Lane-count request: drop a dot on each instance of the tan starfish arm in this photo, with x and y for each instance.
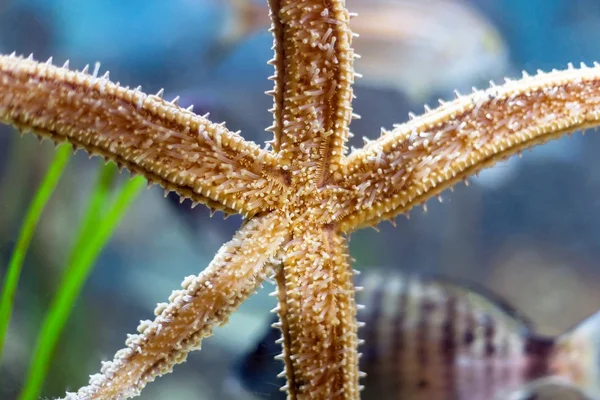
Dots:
(205, 301)
(318, 316)
(171, 146)
(430, 153)
(313, 77)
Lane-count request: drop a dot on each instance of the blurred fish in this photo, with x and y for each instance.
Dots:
(419, 47)
(432, 339)
(245, 17)
(425, 47)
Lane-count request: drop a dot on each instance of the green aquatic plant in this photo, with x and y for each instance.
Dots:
(98, 225)
(13, 272)
(103, 213)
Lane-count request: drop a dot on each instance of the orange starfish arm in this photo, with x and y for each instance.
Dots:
(318, 316)
(430, 153)
(313, 78)
(171, 146)
(206, 301)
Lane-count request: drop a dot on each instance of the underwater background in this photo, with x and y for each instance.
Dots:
(527, 229)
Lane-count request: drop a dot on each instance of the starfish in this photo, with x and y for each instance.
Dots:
(301, 200)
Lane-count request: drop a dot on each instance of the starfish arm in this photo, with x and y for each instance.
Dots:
(171, 146)
(313, 77)
(318, 316)
(205, 301)
(430, 153)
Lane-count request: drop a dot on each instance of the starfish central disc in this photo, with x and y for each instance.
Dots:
(310, 205)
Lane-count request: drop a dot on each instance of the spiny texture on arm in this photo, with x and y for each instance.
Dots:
(313, 78)
(169, 145)
(317, 313)
(205, 301)
(430, 153)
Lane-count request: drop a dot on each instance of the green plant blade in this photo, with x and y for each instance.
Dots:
(94, 232)
(97, 205)
(34, 212)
